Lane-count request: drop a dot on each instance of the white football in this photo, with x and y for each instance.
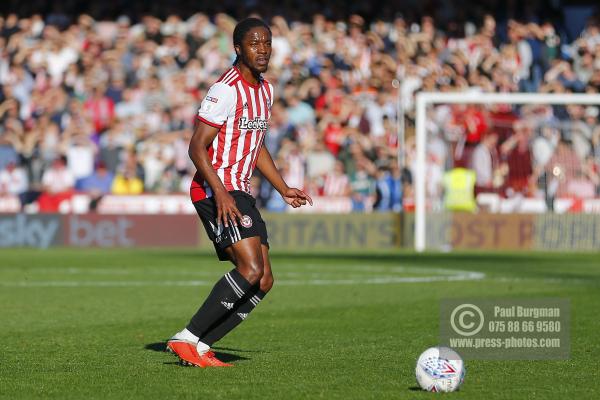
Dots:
(440, 369)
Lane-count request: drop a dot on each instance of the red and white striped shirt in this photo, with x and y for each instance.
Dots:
(241, 111)
(336, 184)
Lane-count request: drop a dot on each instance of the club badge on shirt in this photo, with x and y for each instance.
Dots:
(246, 221)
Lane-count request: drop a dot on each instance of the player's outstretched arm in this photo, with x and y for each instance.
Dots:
(203, 137)
(292, 196)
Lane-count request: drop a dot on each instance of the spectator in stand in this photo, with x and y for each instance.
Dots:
(562, 73)
(58, 183)
(581, 186)
(114, 141)
(336, 182)
(520, 49)
(13, 181)
(544, 145)
(333, 133)
(578, 131)
(97, 185)
(127, 183)
(562, 168)
(100, 108)
(280, 128)
(319, 161)
(8, 137)
(275, 202)
(485, 163)
(516, 154)
(592, 131)
(80, 152)
(299, 112)
(129, 106)
(362, 186)
(291, 155)
(168, 182)
(470, 121)
(389, 190)
(434, 175)
(595, 156)
(591, 170)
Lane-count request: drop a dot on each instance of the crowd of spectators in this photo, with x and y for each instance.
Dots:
(104, 107)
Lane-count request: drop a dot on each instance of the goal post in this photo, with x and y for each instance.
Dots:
(426, 99)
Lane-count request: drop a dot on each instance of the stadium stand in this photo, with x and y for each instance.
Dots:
(116, 99)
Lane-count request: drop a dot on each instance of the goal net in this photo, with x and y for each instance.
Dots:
(491, 154)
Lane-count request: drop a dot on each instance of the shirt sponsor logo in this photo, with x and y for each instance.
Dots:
(253, 124)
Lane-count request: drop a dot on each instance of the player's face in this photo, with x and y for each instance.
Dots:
(256, 49)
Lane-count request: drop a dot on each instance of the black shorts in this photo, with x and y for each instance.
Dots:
(251, 225)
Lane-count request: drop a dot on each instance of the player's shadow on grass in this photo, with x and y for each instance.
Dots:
(219, 353)
(415, 389)
(238, 350)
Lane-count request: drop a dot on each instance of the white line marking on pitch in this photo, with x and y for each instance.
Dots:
(462, 276)
(298, 270)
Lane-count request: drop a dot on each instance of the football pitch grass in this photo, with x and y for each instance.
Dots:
(81, 324)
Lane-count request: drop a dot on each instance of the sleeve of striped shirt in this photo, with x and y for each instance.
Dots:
(217, 105)
(272, 93)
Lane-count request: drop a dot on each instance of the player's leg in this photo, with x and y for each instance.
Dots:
(267, 280)
(242, 246)
(245, 306)
(232, 288)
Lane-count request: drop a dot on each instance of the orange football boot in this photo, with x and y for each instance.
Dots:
(170, 342)
(187, 353)
(209, 359)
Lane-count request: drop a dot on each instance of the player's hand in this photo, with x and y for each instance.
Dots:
(227, 210)
(296, 197)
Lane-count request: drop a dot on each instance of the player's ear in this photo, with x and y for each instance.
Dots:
(238, 50)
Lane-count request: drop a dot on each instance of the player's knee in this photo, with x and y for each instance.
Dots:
(252, 271)
(266, 283)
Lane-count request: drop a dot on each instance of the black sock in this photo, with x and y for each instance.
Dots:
(233, 319)
(222, 299)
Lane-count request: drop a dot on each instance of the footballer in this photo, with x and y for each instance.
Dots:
(226, 147)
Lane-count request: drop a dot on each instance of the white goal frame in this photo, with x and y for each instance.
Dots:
(425, 99)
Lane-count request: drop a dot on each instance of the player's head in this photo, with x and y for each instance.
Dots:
(252, 43)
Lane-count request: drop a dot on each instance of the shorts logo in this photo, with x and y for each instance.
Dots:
(217, 230)
(212, 99)
(246, 221)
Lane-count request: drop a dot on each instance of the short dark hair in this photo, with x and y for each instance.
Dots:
(243, 27)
